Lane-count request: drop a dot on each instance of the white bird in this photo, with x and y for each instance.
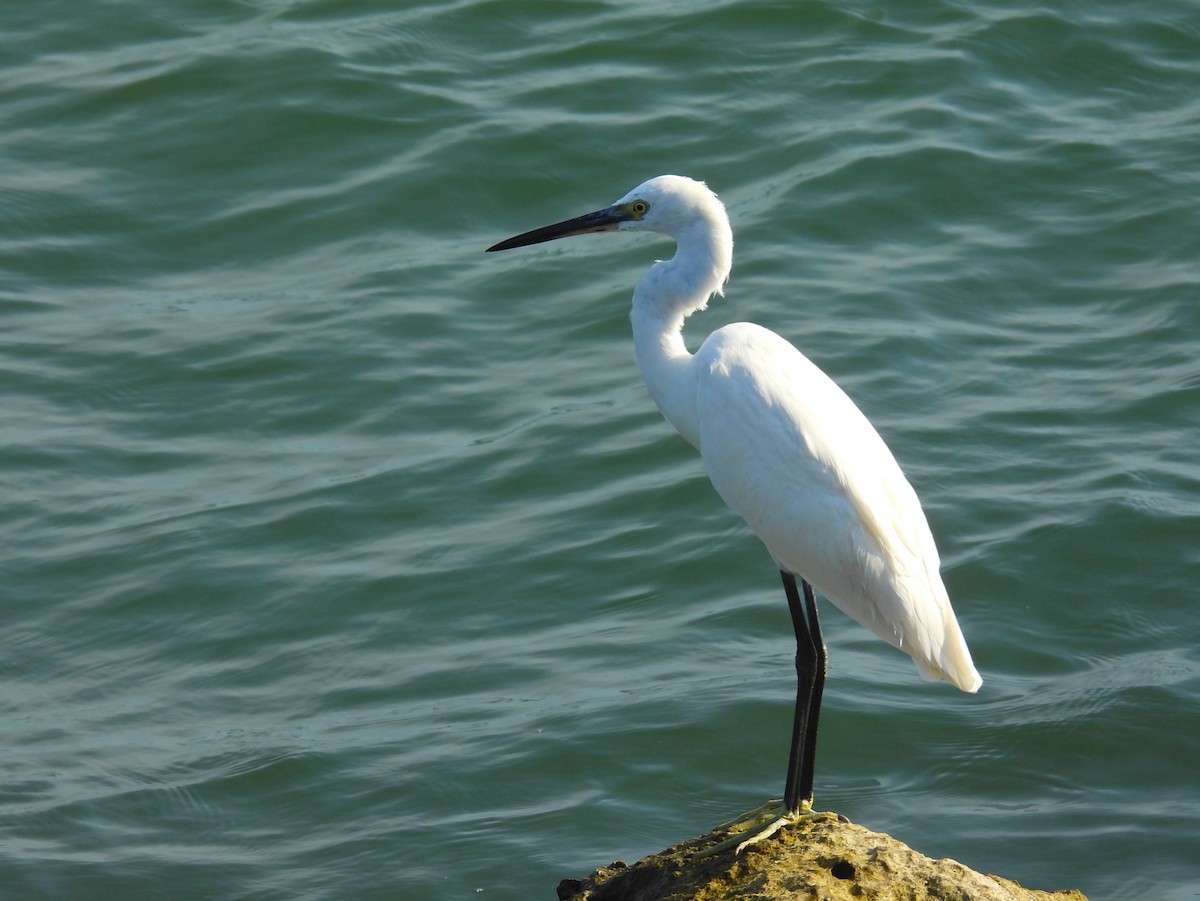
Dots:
(789, 452)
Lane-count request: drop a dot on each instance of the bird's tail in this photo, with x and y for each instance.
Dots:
(953, 663)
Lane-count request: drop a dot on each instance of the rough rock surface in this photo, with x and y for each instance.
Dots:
(826, 859)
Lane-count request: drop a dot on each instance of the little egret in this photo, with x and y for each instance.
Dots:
(792, 455)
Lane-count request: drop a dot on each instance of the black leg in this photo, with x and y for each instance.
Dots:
(814, 704)
(810, 683)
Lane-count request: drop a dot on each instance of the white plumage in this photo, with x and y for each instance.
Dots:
(830, 504)
(785, 447)
(789, 452)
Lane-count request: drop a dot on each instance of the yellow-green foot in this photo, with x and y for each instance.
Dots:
(759, 824)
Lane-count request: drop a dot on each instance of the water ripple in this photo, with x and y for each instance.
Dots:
(337, 549)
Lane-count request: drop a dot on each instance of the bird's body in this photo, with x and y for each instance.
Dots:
(785, 448)
(830, 504)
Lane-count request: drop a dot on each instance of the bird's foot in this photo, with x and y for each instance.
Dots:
(759, 824)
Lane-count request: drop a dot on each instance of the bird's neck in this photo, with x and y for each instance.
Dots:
(670, 292)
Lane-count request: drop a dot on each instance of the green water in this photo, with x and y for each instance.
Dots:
(342, 560)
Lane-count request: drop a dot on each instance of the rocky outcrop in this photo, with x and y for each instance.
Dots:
(827, 859)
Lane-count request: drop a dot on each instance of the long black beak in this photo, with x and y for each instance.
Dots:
(600, 221)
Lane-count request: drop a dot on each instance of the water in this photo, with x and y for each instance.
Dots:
(341, 560)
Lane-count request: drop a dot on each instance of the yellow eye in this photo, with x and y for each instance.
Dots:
(639, 208)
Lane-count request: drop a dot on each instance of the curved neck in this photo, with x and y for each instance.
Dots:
(666, 367)
(667, 294)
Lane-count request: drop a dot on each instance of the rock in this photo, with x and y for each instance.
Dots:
(825, 859)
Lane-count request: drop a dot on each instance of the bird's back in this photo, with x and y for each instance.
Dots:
(791, 453)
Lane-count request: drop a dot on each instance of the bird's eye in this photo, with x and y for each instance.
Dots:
(639, 208)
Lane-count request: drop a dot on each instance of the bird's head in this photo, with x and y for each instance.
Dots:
(668, 204)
